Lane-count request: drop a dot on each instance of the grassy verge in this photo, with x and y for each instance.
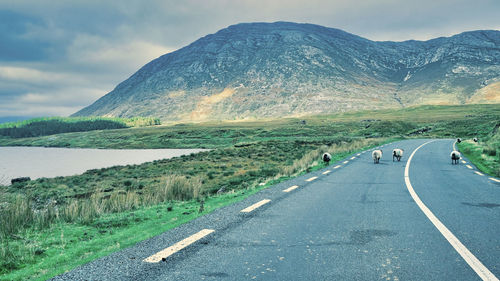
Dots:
(63, 246)
(485, 154)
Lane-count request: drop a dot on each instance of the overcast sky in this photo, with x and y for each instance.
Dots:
(58, 56)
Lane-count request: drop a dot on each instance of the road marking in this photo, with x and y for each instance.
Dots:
(311, 179)
(493, 179)
(336, 167)
(473, 262)
(326, 172)
(358, 154)
(468, 166)
(352, 158)
(478, 173)
(178, 246)
(290, 188)
(345, 162)
(255, 206)
(454, 147)
(463, 162)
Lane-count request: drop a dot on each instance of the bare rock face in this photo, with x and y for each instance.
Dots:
(259, 70)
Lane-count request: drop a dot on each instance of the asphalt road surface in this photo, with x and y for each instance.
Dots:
(352, 220)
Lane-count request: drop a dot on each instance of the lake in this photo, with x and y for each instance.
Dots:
(38, 162)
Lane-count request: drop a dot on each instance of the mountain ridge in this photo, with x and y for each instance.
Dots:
(259, 70)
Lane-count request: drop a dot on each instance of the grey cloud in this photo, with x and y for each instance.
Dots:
(75, 51)
(13, 45)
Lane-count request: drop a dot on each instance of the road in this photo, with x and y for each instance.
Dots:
(351, 220)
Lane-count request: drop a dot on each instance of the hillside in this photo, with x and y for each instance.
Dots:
(260, 70)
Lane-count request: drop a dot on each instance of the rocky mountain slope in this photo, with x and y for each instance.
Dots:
(259, 70)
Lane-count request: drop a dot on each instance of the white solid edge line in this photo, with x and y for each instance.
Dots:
(255, 206)
(336, 167)
(468, 166)
(311, 179)
(473, 262)
(478, 173)
(290, 188)
(326, 172)
(454, 147)
(178, 246)
(493, 179)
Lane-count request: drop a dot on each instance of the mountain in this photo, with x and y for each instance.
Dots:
(259, 70)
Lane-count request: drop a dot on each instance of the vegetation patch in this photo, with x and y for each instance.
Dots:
(484, 154)
(56, 125)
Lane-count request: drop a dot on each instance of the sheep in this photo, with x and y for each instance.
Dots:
(455, 156)
(459, 140)
(397, 153)
(326, 158)
(475, 139)
(376, 155)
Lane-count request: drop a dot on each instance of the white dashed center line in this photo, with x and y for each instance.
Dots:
(178, 246)
(345, 162)
(290, 188)
(493, 179)
(326, 172)
(358, 154)
(478, 173)
(463, 162)
(352, 158)
(311, 179)
(255, 206)
(336, 167)
(468, 166)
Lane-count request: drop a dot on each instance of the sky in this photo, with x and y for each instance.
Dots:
(58, 56)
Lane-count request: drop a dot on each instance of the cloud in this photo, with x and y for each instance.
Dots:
(58, 55)
(98, 52)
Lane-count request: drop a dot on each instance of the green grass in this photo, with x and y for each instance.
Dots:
(426, 121)
(42, 222)
(64, 246)
(485, 154)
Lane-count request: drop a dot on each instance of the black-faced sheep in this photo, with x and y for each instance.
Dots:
(397, 153)
(475, 139)
(455, 156)
(326, 158)
(459, 140)
(376, 155)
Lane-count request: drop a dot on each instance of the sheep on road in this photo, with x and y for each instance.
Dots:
(376, 155)
(455, 156)
(397, 153)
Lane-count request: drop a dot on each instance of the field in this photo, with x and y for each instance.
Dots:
(72, 220)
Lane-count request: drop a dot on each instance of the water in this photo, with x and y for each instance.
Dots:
(38, 162)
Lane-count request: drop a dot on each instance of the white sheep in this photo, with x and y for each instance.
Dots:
(376, 155)
(455, 156)
(397, 153)
(326, 157)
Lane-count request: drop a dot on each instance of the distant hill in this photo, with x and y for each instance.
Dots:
(259, 70)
